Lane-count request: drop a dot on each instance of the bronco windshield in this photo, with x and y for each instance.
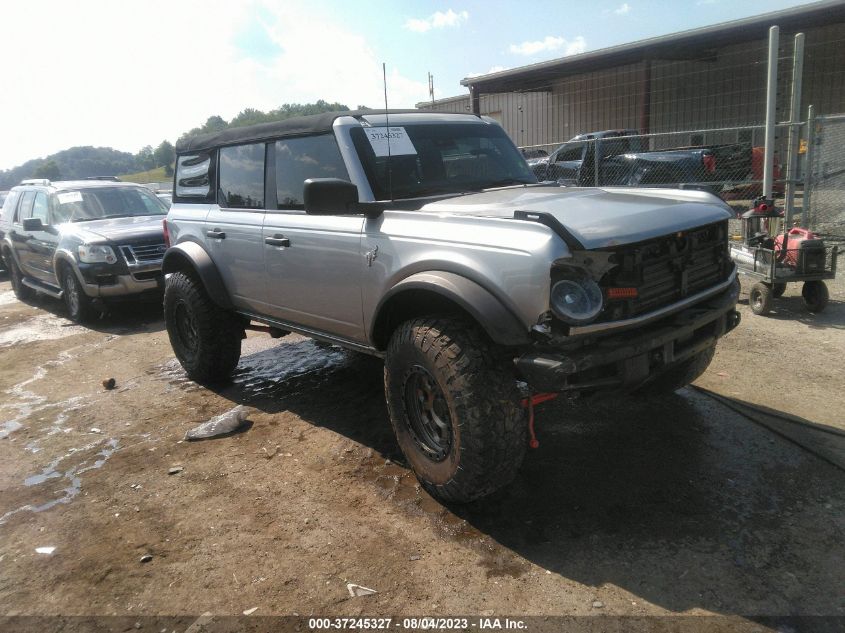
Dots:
(99, 203)
(427, 160)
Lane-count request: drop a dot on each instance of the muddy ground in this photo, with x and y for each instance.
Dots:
(676, 506)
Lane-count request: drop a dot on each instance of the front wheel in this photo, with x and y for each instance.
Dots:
(205, 338)
(79, 306)
(454, 407)
(760, 298)
(815, 295)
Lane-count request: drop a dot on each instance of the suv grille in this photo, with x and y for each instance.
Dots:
(143, 253)
(667, 269)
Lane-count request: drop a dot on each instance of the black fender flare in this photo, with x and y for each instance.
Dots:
(500, 324)
(193, 257)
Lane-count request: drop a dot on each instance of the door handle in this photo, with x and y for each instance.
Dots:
(277, 240)
(216, 234)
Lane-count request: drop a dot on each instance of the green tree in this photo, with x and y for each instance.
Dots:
(145, 158)
(164, 154)
(49, 170)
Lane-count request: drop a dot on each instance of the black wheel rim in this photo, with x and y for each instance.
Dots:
(186, 327)
(428, 414)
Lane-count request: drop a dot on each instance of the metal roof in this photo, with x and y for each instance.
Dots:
(682, 45)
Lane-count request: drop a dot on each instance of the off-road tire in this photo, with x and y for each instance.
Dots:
(79, 306)
(23, 293)
(477, 387)
(205, 338)
(778, 289)
(815, 295)
(679, 375)
(760, 298)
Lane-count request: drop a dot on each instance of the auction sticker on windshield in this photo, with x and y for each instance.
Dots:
(392, 141)
(70, 196)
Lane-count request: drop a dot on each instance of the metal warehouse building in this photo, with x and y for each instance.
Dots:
(701, 83)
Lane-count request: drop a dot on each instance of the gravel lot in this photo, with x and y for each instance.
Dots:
(629, 507)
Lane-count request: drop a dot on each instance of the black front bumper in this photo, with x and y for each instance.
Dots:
(626, 360)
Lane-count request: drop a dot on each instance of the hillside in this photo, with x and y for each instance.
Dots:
(76, 162)
(151, 175)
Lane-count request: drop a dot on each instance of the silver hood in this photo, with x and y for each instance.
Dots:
(597, 218)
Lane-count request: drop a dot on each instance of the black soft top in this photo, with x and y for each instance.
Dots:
(297, 126)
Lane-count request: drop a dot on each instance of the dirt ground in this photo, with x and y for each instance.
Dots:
(628, 507)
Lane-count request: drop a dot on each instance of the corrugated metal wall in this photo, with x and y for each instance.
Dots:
(724, 88)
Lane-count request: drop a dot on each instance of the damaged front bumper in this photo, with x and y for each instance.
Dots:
(623, 361)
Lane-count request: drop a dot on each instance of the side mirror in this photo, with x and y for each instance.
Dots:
(330, 196)
(33, 224)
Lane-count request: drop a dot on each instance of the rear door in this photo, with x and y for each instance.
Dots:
(313, 263)
(233, 226)
(42, 244)
(21, 240)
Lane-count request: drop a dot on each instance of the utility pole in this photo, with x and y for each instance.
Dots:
(431, 88)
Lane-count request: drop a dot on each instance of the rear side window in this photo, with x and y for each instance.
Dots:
(25, 206)
(9, 206)
(195, 177)
(298, 159)
(242, 177)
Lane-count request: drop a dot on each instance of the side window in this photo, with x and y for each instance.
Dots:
(195, 177)
(10, 206)
(25, 207)
(40, 208)
(242, 177)
(573, 152)
(298, 159)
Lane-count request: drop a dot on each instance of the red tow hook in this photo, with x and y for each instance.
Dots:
(529, 403)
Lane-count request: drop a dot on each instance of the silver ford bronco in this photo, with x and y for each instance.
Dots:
(425, 239)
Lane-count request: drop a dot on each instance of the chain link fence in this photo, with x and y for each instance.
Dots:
(824, 196)
(725, 161)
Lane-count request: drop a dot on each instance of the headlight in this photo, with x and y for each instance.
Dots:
(96, 253)
(576, 301)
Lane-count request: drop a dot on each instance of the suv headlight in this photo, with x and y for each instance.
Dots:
(96, 253)
(576, 301)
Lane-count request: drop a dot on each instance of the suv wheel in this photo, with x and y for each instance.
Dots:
(22, 292)
(79, 305)
(205, 338)
(454, 407)
(679, 375)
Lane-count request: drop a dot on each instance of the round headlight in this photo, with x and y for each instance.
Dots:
(576, 301)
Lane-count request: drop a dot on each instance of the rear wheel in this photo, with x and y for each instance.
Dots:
(79, 306)
(679, 375)
(22, 292)
(760, 298)
(815, 295)
(205, 338)
(454, 407)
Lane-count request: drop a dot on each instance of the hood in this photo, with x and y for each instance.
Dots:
(119, 230)
(598, 218)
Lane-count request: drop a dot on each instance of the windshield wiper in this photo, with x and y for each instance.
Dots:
(504, 182)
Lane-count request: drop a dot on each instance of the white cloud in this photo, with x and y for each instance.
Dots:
(623, 10)
(493, 69)
(551, 44)
(437, 20)
(116, 74)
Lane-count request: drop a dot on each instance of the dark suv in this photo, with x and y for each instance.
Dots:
(83, 241)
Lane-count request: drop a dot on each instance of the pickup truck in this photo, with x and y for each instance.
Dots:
(626, 161)
(425, 240)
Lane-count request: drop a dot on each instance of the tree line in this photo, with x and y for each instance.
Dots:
(88, 161)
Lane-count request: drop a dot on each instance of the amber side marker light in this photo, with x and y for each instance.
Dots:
(621, 293)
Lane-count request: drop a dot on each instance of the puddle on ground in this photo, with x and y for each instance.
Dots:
(71, 475)
(44, 327)
(269, 367)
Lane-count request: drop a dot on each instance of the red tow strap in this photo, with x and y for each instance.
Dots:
(529, 403)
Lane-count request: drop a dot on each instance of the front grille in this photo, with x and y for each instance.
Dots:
(143, 253)
(668, 269)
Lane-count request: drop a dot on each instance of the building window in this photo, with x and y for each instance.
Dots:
(242, 177)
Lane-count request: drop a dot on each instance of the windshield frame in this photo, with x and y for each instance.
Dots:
(431, 140)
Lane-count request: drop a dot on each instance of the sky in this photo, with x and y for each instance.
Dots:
(126, 74)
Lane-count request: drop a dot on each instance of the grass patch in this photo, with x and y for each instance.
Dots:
(151, 175)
